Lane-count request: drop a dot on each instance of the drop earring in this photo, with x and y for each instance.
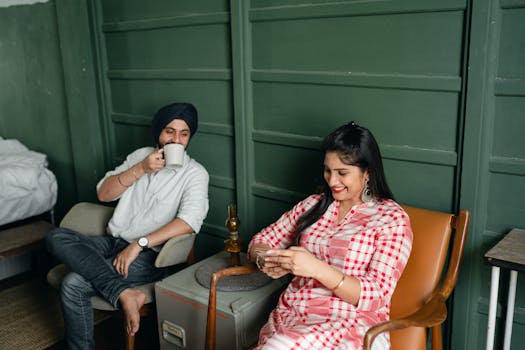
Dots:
(366, 196)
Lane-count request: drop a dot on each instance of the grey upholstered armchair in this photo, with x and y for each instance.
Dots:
(91, 219)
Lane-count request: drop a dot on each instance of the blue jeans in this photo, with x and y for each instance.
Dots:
(90, 260)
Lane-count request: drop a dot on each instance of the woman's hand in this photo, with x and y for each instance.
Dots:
(257, 254)
(295, 260)
(153, 162)
(273, 270)
(124, 259)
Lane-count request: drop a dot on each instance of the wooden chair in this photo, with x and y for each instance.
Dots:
(419, 300)
(92, 219)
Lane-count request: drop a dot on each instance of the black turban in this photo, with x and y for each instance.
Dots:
(165, 115)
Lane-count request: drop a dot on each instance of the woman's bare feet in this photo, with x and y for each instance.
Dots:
(132, 300)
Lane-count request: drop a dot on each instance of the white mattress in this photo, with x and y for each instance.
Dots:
(27, 186)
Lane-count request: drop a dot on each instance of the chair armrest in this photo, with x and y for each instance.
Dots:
(175, 250)
(212, 300)
(88, 218)
(432, 313)
(233, 271)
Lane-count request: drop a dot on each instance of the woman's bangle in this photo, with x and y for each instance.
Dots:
(340, 283)
(120, 182)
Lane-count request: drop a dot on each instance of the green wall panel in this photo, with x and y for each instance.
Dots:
(509, 126)
(215, 152)
(125, 10)
(505, 209)
(416, 43)
(315, 110)
(493, 179)
(207, 245)
(512, 44)
(166, 52)
(422, 185)
(182, 47)
(289, 168)
(144, 97)
(129, 137)
(81, 81)
(505, 196)
(268, 210)
(396, 67)
(220, 198)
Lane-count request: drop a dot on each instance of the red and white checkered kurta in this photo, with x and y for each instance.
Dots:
(372, 243)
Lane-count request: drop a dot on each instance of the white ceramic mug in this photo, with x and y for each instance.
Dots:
(174, 154)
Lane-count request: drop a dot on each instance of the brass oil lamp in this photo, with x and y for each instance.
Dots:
(233, 244)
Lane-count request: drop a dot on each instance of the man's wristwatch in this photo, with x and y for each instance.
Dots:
(143, 242)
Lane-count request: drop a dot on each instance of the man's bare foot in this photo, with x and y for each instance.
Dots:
(131, 301)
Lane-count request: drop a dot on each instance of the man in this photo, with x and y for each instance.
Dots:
(155, 204)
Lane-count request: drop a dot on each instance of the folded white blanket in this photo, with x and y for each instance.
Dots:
(27, 187)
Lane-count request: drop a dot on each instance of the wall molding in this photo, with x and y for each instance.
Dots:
(357, 8)
(490, 235)
(286, 139)
(215, 230)
(216, 129)
(361, 79)
(509, 87)
(419, 155)
(131, 119)
(277, 193)
(167, 22)
(222, 182)
(145, 120)
(512, 4)
(170, 74)
(395, 152)
(519, 312)
(507, 165)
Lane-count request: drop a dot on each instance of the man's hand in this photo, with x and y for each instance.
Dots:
(124, 259)
(153, 162)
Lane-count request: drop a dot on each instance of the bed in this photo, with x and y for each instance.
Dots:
(27, 187)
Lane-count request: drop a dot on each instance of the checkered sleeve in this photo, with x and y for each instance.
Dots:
(281, 233)
(392, 249)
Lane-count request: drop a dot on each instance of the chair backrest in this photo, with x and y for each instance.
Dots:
(423, 273)
(92, 219)
(89, 218)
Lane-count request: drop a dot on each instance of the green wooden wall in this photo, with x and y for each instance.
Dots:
(32, 99)
(172, 51)
(440, 83)
(493, 178)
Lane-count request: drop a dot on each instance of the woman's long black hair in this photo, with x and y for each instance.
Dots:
(355, 145)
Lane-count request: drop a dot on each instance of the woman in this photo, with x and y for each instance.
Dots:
(346, 248)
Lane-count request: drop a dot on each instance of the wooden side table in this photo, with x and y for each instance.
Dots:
(509, 253)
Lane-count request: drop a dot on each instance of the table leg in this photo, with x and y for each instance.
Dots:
(493, 306)
(510, 309)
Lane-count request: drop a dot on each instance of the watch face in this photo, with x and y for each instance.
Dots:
(143, 242)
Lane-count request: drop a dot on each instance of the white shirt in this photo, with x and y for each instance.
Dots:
(158, 198)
